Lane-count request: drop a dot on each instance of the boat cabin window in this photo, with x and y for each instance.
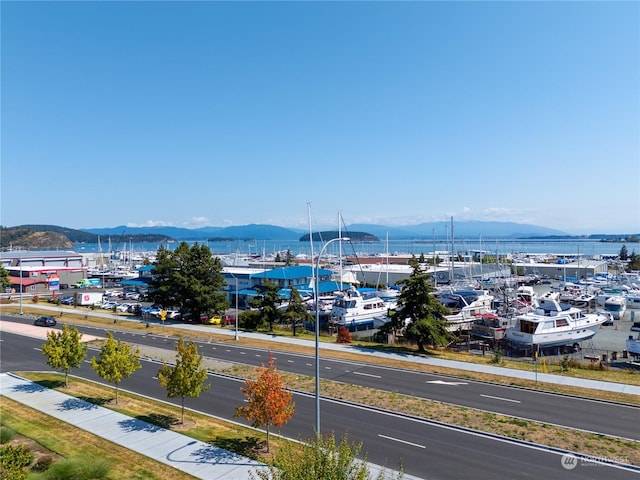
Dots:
(546, 326)
(562, 322)
(527, 327)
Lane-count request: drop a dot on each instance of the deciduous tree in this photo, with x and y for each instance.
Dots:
(118, 360)
(5, 281)
(64, 350)
(269, 403)
(187, 378)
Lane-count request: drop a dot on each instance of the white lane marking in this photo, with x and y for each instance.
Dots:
(367, 375)
(289, 361)
(327, 368)
(309, 364)
(500, 398)
(402, 441)
(243, 353)
(442, 382)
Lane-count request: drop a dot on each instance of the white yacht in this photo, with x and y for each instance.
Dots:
(616, 305)
(465, 306)
(554, 324)
(353, 308)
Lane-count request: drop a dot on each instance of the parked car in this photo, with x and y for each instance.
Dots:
(67, 300)
(135, 308)
(45, 322)
(214, 320)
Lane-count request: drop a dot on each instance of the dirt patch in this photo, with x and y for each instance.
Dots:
(41, 455)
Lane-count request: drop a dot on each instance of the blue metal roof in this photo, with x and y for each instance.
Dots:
(323, 287)
(288, 273)
(135, 283)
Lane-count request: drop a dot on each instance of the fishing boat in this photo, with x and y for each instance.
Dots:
(553, 324)
(490, 326)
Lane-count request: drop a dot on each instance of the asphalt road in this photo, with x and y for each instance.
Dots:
(425, 449)
(573, 412)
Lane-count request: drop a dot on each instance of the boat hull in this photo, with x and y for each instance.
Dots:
(549, 339)
(633, 346)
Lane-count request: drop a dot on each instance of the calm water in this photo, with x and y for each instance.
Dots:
(501, 246)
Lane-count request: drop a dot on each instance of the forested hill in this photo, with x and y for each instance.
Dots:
(49, 237)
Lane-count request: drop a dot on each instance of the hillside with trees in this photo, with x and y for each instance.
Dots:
(52, 237)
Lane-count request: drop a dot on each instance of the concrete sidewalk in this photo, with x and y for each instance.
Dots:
(199, 459)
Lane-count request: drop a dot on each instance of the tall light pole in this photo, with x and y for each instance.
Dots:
(315, 291)
(236, 320)
(20, 260)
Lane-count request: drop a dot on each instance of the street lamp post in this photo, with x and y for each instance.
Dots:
(20, 260)
(236, 315)
(236, 320)
(317, 282)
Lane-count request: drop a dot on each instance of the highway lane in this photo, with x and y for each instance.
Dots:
(574, 412)
(425, 450)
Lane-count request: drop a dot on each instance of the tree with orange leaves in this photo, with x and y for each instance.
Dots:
(269, 402)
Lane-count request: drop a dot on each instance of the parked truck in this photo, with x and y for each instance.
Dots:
(88, 283)
(88, 298)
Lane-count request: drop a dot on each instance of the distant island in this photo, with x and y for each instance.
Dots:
(47, 237)
(359, 237)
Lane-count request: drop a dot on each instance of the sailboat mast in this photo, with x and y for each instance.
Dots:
(340, 246)
(311, 245)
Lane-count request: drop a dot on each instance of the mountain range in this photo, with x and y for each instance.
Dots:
(469, 229)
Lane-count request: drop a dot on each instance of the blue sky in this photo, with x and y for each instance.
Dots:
(394, 113)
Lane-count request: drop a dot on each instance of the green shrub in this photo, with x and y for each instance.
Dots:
(13, 460)
(6, 434)
(497, 355)
(80, 468)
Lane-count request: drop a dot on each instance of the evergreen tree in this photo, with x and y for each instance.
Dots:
(190, 278)
(296, 310)
(268, 401)
(624, 255)
(118, 360)
(634, 262)
(187, 378)
(64, 350)
(419, 312)
(267, 303)
(289, 258)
